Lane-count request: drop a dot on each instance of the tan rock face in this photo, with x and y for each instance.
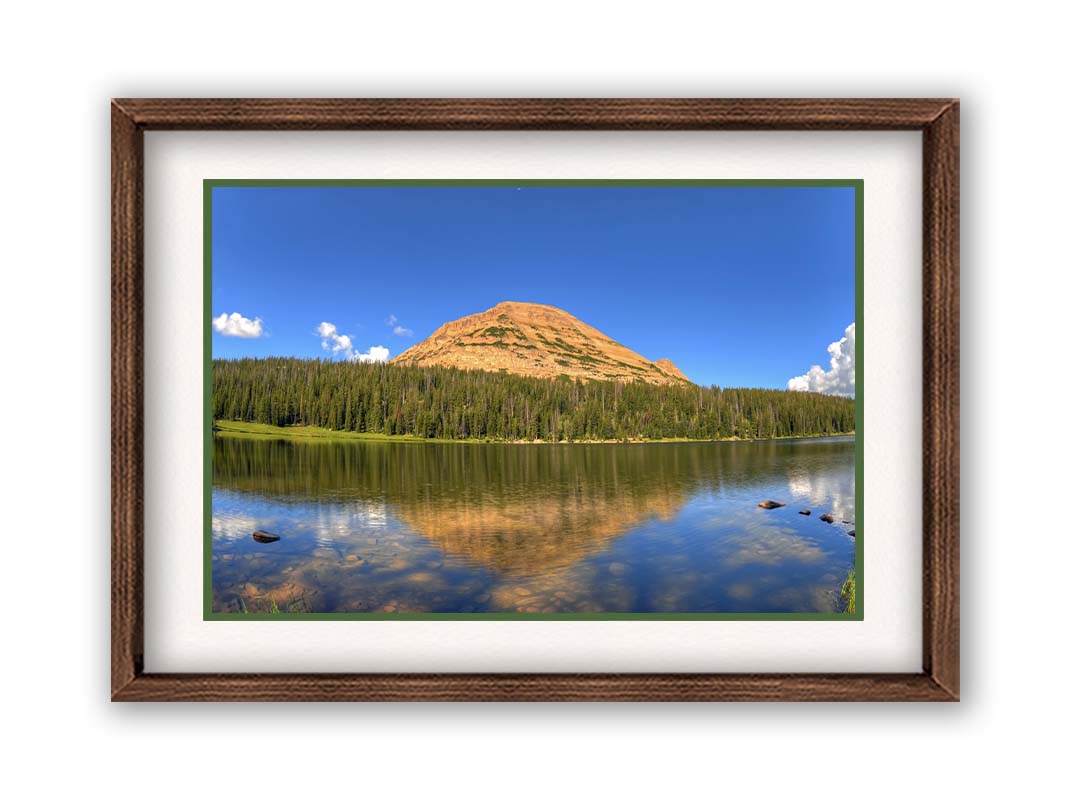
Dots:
(666, 365)
(539, 341)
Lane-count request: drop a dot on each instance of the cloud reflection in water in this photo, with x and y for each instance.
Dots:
(538, 529)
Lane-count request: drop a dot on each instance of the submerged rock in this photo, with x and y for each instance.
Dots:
(771, 504)
(826, 518)
(852, 534)
(806, 512)
(265, 537)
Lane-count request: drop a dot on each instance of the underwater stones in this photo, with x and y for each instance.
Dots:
(265, 537)
(771, 504)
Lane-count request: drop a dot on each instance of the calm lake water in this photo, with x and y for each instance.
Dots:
(461, 528)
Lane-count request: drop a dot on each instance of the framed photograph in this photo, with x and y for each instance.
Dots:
(535, 399)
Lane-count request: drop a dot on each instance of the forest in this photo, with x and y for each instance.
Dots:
(449, 403)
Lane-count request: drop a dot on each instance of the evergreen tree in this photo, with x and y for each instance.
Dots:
(448, 403)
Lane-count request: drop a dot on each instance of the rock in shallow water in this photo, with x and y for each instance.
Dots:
(265, 537)
(826, 518)
(852, 534)
(806, 512)
(771, 504)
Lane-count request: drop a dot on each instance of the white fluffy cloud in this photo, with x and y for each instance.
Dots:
(332, 340)
(236, 325)
(376, 354)
(398, 330)
(841, 377)
(341, 344)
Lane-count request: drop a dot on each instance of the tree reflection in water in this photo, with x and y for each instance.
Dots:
(402, 526)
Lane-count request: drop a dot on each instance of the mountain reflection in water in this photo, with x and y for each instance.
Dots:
(372, 526)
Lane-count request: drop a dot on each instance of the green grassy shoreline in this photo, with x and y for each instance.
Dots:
(848, 593)
(259, 430)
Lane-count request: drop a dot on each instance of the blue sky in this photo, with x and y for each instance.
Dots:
(738, 286)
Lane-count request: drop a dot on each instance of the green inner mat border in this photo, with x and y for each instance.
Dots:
(211, 616)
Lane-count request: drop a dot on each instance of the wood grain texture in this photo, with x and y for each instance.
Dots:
(542, 687)
(941, 400)
(127, 399)
(532, 114)
(938, 119)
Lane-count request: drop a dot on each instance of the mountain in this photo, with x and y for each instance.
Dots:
(666, 365)
(536, 340)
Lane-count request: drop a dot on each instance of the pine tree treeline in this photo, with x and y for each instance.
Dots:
(449, 403)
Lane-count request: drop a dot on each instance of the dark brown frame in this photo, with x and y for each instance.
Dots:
(938, 119)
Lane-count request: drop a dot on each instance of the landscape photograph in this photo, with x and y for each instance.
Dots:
(533, 400)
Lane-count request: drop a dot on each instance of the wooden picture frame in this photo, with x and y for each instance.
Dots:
(938, 119)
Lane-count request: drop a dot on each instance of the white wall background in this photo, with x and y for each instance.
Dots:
(61, 63)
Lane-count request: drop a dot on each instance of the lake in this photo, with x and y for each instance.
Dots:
(394, 527)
